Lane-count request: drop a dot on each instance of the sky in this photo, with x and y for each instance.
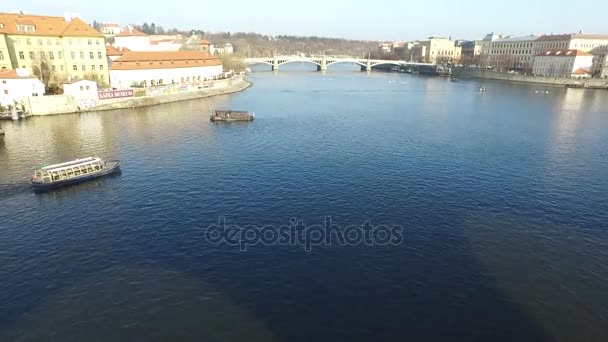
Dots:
(383, 20)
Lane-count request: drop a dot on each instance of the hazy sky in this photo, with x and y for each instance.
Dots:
(356, 19)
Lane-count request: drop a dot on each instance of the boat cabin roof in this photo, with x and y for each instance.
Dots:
(73, 163)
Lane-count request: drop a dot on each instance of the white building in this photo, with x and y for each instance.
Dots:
(227, 49)
(152, 68)
(563, 63)
(132, 39)
(110, 29)
(80, 89)
(15, 85)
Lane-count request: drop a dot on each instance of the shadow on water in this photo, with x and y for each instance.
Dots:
(12, 189)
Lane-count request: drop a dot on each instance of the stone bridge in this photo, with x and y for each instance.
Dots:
(323, 62)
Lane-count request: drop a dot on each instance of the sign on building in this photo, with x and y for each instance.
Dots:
(115, 94)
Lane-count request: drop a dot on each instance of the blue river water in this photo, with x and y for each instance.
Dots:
(501, 197)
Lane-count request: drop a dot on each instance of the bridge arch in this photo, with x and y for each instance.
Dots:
(352, 61)
(254, 62)
(282, 62)
(397, 63)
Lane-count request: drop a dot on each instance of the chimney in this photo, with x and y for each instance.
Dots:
(67, 16)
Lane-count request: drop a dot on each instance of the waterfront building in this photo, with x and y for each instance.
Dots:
(110, 29)
(511, 53)
(599, 67)
(53, 48)
(80, 89)
(227, 49)
(563, 63)
(436, 50)
(152, 68)
(16, 85)
(471, 52)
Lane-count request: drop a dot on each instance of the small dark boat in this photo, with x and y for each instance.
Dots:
(72, 172)
(231, 115)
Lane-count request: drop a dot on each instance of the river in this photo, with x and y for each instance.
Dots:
(500, 197)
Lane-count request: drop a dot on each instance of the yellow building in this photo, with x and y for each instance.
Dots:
(436, 50)
(53, 48)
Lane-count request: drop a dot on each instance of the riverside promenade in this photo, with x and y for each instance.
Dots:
(64, 104)
(593, 83)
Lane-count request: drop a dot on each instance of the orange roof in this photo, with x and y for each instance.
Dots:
(204, 42)
(581, 71)
(46, 26)
(566, 53)
(113, 51)
(134, 60)
(7, 74)
(131, 32)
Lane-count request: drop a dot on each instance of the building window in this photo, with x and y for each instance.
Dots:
(21, 55)
(31, 54)
(90, 42)
(53, 68)
(100, 66)
(42, 55)
(1, 56)
(73, 55)
(81, 55)
(91, 55)
(48, 42)
(5, 91)
(51, 55)
(40, 42)
(92, 67)
(81, 88)
(88, 87)
(97, 42)
(84, 67)
(98, 54)
(57, 42)
(28, 41)
(70, 41)
(61, 67)
(74, 67)
(26, 28)
(60, 54)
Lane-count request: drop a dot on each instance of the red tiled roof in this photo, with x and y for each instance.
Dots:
(131, 32)
(10, 74)
(113, 51)
(134, 60)
(564, 53)
(581, 71)
(46, 26)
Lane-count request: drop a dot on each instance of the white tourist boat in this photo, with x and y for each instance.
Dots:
(72, 172)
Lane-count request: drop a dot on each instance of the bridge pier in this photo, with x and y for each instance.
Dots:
(323, 66)
(275, 64)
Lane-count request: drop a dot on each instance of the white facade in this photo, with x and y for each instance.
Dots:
(81, 89)
(110, 29)
(133, 43)
(562, 63)
(124, 79)
(164, 45)
(14, 87)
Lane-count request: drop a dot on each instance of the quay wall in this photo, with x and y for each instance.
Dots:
(63, 104)
(494, 75)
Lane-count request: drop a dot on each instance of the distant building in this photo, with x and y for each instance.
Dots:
(110, 29)
(471, 52)
(385, 48)
(227, 49)
(15, 85)
(80, 89)
(600, 63)
(205, 46)
(132, 39)
(152, 68)
(563, 63)
(520, 52)
(436, 50)
(58, 46)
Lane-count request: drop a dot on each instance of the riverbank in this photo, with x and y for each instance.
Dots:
(501, 76)
(64, 104)
(234, 85)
